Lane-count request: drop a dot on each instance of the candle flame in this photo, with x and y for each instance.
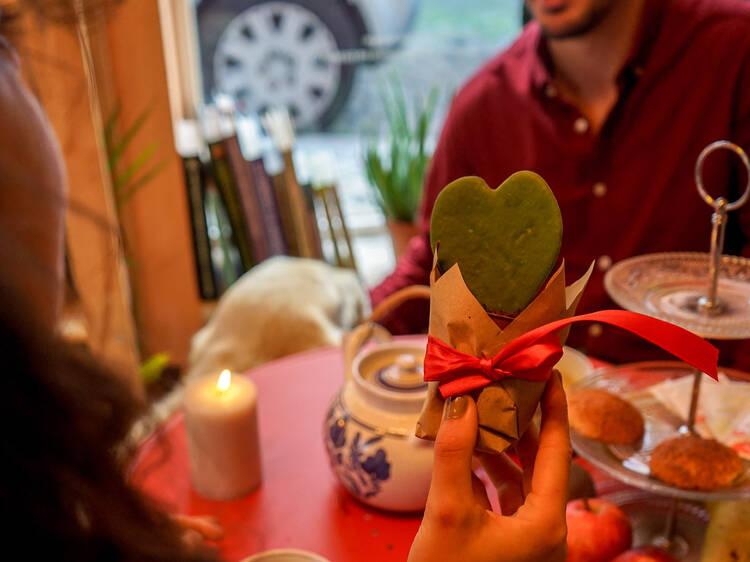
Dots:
(225, 378)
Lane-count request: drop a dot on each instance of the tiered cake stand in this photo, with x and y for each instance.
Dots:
(708, 294)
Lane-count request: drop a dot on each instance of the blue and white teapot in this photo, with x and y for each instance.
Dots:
(369, 427)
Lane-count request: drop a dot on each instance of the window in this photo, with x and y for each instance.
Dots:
(328, 62)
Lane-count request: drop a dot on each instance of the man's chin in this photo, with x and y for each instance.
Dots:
(567, 30)
(559, 20)
(553, 6)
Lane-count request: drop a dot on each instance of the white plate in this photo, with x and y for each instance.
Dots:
(285, 555)
(630, 464)
(574, 367)
(668, 286)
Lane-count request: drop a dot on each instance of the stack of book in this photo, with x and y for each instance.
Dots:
(241, 215)
(326, 199)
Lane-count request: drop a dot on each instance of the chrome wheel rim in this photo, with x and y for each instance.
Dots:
(279, 54)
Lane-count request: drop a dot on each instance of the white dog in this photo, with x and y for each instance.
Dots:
(282, 306)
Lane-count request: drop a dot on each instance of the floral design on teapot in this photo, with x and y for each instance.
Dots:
(361, 468)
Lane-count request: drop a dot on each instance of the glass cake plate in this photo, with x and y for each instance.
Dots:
(630, 464)
(669, 286)
(647, 514)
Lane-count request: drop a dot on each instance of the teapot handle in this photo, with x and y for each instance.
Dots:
(399, 297)
(354, 340)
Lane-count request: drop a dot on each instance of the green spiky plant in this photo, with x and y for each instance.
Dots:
(127, 178)
(152, 368)
(397, 175)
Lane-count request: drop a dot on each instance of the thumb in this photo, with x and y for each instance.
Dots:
(451, 472)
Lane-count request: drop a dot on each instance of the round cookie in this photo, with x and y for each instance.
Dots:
(694, 463)
(602, 416)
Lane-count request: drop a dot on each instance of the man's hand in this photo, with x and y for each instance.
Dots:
(459, 524)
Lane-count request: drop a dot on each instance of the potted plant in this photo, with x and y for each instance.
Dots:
(396, 169)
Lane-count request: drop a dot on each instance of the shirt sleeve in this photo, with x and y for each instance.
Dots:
(741, 136)
(413, 268)
(738, 352)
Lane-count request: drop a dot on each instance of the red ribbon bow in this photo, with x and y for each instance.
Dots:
(532, 355)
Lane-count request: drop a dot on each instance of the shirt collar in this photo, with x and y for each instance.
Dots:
(540, 66)
(540, 70)
(646, 37)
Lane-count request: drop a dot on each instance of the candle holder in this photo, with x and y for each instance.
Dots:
(708, 294)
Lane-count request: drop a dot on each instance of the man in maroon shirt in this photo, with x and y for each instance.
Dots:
(611, 101)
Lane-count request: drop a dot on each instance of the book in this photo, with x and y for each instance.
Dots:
(285, 212)
(313, 232)
(247, 195)
(194, 180)
(278, 123)
(248, 134)
(189, 145)
(225, 257)
(269, 207)
(214, 129)
(327, 197)
(297, 208)
(227, 190)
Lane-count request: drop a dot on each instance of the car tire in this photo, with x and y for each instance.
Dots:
(332, 20)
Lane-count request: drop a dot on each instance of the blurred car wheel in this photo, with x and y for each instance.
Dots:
(270, 53)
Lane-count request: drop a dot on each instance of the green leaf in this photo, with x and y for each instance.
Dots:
(109, 131)
(135, 166)
(118, 149)
(378, 177)
(132, 188)
(400, 102)
(397, 179)
(152, 368)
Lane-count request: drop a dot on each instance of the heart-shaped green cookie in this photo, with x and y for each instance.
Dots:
(505, 240)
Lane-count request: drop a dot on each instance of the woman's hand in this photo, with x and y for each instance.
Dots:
(196, 529)
(459, 524)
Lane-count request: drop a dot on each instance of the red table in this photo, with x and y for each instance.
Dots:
(299, 503)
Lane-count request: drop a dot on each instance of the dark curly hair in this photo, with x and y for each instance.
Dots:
(64, 420)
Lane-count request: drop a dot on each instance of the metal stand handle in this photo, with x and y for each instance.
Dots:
(711, 304)
(697, 377)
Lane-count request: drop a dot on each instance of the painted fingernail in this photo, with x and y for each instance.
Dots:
(456, 407)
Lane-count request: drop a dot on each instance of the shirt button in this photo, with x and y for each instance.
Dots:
(595, 330)
(581, 125)
(550, 91)
(604, 263)
(600, 189)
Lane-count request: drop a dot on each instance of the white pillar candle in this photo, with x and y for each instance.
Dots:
(222, 433)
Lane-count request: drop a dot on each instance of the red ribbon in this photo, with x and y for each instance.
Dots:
(532, 355)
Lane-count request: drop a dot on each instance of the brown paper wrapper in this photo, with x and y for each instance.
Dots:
(504, 408)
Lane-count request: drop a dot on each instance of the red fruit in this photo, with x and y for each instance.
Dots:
(597, 530)
(645, 554)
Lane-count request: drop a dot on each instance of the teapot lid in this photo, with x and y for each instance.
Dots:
(405, 374)
(393, 369)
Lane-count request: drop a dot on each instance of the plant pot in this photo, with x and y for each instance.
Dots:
(401, 233)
